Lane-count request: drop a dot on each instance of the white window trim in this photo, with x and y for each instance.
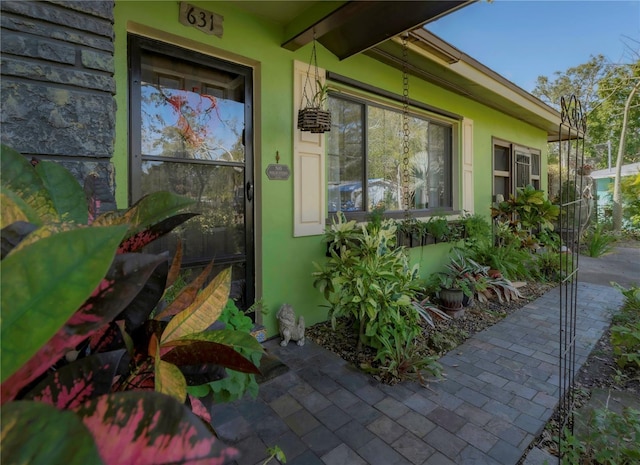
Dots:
(511, 174)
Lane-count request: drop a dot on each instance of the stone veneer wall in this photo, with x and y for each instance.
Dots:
(57, 86)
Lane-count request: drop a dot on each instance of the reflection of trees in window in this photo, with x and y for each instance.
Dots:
(188, 125)
(218, 190)
(429, 167)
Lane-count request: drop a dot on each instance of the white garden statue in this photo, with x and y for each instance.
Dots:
(289, 329)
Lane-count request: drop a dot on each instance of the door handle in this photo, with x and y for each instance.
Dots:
(249, 191)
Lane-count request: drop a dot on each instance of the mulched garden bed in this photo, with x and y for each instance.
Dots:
(447, 334)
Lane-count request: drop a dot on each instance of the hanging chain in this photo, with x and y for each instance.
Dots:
(308, 100)
(405, 128)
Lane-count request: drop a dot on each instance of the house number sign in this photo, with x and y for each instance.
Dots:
(204, 20)
(278, 172)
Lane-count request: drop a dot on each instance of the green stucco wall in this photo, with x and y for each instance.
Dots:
(285, 262)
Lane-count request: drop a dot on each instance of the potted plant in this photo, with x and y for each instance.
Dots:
(453, 286)
(313, 117)
(452, 291)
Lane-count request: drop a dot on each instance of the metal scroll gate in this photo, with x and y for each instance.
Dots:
(571, 157)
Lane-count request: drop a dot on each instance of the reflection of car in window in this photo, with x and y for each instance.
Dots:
(348, 196)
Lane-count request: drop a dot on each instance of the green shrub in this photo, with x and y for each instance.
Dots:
(625, 330)
(611, 438)
(402, 360)
(235, 384)
(631, 305)
(528, 214)
(630, 188)
(368, 280)
(626, 345)
(514, 262)
(552, 266)
(598, 241)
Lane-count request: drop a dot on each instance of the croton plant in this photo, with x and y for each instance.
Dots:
(93, 369)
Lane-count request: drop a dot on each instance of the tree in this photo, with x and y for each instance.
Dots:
(581, 81)
(617, 188)
(610, 99)
(606, 119)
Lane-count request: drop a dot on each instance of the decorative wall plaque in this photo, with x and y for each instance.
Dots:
(278, 172)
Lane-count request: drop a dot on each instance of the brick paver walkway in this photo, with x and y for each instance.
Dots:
(500, 389)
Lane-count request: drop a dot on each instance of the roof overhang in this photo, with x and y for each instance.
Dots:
(436, 61)
(356, 26)
(347, 28)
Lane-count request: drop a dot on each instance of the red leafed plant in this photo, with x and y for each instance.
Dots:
(88, 374)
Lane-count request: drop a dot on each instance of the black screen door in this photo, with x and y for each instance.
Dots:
(190, 133)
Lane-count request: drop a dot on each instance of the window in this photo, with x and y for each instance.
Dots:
(366, 161)
(514, 167)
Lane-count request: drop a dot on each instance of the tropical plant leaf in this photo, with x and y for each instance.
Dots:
(186, 295)
(198, 408)
(17, 174)
(72, 385)
(13, 234)
(176, 264)
(109, 218)
(203, 312)
(142, 379)
(127, 275)
(39, 434)
(150, 428)
(155, 208)
(139, 239)
(197, 375)
(206, 352)
(15, 209)
(43, 284)
(139, 309)
(168, 378)
(46, 230)
(229, 337)
(143, 335)
(107, 338)
(64, 190)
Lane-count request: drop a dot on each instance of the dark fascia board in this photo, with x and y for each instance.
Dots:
(438, 71)
(357, 26)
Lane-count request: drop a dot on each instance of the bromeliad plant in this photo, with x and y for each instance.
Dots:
(474, 279)
(87, 375)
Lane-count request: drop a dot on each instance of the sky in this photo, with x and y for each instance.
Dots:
(524, 39)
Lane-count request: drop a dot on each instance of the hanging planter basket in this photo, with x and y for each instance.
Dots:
(314, 120)
(312, 116)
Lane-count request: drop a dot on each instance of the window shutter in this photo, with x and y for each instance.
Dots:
(308, 163)
(467, 166)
